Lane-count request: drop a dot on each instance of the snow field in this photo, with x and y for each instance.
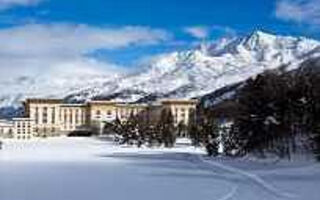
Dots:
(89, 168)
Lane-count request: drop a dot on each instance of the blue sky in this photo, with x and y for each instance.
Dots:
(243, 16)
(102, 29)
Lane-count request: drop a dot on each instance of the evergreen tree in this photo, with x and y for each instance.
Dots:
(205, 128)
(182, 129)
(166, 128)
(193, 129)
(262, 124)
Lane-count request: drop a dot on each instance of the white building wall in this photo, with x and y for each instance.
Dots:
(46, 118)
(73, 117)
(23, 128)
(6, 129)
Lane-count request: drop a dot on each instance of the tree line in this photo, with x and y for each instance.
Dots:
(141, 129)
(275, 112)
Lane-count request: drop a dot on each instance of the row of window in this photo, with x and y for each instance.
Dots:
(122, 112)
(79, 116)
(23, 132)
(23, 125)
(3, 130)
(69, 127)
(24, 137)
(74, 119)
(183, 110)
(45, 130)
(44, 115)
(98, 112)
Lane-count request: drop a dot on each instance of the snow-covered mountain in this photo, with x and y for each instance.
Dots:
(185, 74)
(197, 72)
(14, 91)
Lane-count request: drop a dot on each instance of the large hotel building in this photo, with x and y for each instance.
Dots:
(53, 117)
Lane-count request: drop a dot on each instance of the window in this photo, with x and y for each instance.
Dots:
(70, 118)
(77, 117)
(98, 114)
(83, 118)
(60, 115)
(45, 115)
(109, 112)
(64, 116)
(37, 115)
(53, 115)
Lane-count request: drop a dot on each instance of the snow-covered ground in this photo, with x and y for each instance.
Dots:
(92, 169)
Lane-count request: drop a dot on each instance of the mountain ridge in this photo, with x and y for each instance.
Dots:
(187, 74)
(198, 67)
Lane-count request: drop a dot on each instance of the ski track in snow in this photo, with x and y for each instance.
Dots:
(222, 181)
(231, 194)
(253, 177)
(195, 160)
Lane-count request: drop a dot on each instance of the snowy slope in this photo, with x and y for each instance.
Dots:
(185, 74)
(16, 90)
(205, 69)
(87, 168)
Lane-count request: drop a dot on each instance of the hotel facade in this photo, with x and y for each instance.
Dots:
(53, 117)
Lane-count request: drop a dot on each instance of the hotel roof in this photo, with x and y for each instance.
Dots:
(44, 101)
(179, 101)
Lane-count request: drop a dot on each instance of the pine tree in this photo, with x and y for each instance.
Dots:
(193, 129)
(182, 129)
(166, 128)
(262, 124)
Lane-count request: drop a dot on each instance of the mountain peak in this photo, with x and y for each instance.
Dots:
(258, 38)
(261, 33)
(180, 74)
